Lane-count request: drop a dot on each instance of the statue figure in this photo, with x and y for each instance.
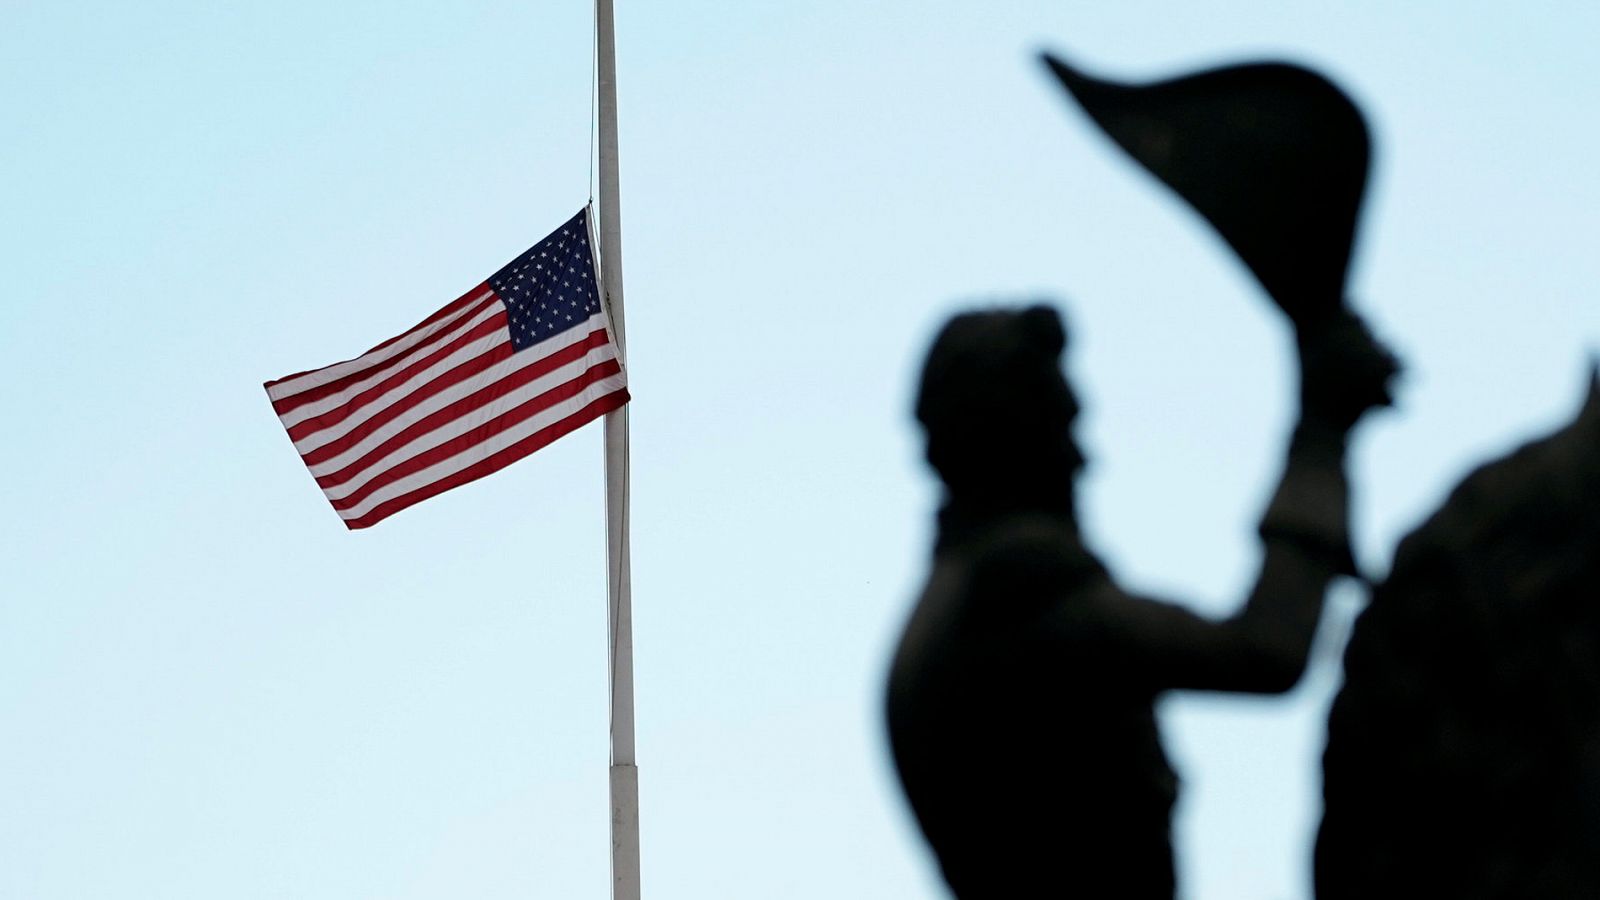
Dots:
(1020, 699)
(1463, 755)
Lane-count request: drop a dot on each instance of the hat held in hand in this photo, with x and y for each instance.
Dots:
(1274, 156)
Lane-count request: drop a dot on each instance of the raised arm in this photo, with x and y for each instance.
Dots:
(1264, 647)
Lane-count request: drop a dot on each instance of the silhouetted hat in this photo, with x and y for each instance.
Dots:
(1274, 156)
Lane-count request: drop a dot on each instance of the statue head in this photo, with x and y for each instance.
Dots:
(997, 410)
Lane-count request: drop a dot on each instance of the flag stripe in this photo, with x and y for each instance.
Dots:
(494, 462)
(286, 387)
(323, 398)
(445, 461)
(325, 445)
(436, 425)
(458, 367)
(470, 298)
(461, 435)
(389, 385)
(462, 382)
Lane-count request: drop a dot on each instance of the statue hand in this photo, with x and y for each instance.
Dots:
(1344, 370)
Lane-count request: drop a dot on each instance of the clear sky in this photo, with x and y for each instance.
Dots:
(209, 689)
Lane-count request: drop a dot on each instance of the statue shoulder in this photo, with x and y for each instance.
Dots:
(1033, 555)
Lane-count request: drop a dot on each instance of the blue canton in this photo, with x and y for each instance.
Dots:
(551, 287)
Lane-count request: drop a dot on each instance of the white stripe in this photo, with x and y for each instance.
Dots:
(464, 354)
(334, 401)
(456, 427)
(338, 370)
(399, 392)
(466, 388)
(487, 448)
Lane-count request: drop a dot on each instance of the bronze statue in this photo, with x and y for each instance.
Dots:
(1020, 697)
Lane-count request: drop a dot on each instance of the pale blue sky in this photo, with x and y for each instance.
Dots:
(209, 689)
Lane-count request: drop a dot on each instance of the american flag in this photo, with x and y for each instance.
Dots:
(504, 369)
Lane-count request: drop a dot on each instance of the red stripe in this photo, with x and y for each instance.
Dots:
(379, 367)
(460, 373)
(494, 462)
(465, 441)
(455, 376)
(449, 308)
(359, 402)
(446, 415)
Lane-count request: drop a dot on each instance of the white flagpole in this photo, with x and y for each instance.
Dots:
(624, 773)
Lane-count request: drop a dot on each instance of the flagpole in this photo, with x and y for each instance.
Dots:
(624, 772)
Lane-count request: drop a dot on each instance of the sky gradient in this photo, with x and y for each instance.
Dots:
(209, 689)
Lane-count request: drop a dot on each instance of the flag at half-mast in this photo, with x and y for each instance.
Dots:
(518, 361)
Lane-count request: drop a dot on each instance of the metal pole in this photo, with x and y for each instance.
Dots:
(624, 774)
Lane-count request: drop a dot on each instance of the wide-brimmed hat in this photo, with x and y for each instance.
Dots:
(1273, 155)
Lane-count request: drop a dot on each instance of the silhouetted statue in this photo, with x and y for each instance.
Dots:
(1020, 697)
(1463, 756)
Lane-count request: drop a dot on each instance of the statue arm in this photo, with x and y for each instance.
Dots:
(1263, 648)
